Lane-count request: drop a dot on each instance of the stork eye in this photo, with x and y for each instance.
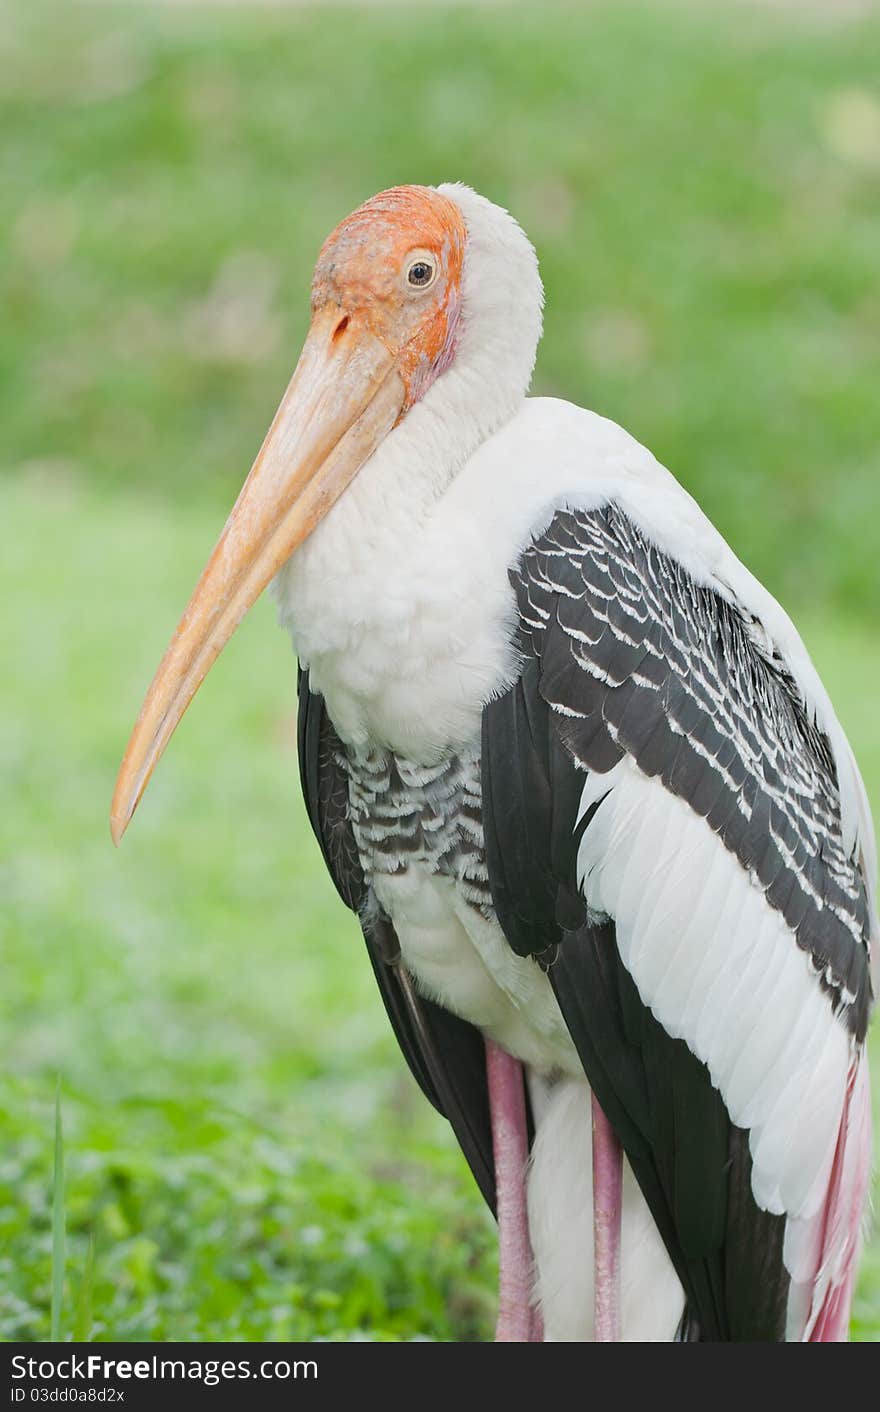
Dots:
(421, 273)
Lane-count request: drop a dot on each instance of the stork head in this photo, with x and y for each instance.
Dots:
(397, 288)
(388, 280)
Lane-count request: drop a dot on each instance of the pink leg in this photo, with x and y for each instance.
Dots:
(507, 1107)
(607, 1202)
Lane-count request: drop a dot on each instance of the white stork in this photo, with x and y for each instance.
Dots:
(574, 770)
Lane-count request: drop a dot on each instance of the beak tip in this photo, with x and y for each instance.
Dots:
(120, 818)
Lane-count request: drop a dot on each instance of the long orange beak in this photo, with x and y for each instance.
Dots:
(342, 400)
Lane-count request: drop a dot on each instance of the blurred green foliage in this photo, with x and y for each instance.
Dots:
(243, 1144)
(243, 1141)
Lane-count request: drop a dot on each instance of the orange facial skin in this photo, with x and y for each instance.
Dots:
(362, 269)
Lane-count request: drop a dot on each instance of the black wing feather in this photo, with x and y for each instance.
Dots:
(637, 658)
(623, 653)
(445, 1054)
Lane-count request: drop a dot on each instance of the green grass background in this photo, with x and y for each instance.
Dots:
(244, 1150)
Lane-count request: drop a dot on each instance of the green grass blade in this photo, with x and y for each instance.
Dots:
(58, 1233)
